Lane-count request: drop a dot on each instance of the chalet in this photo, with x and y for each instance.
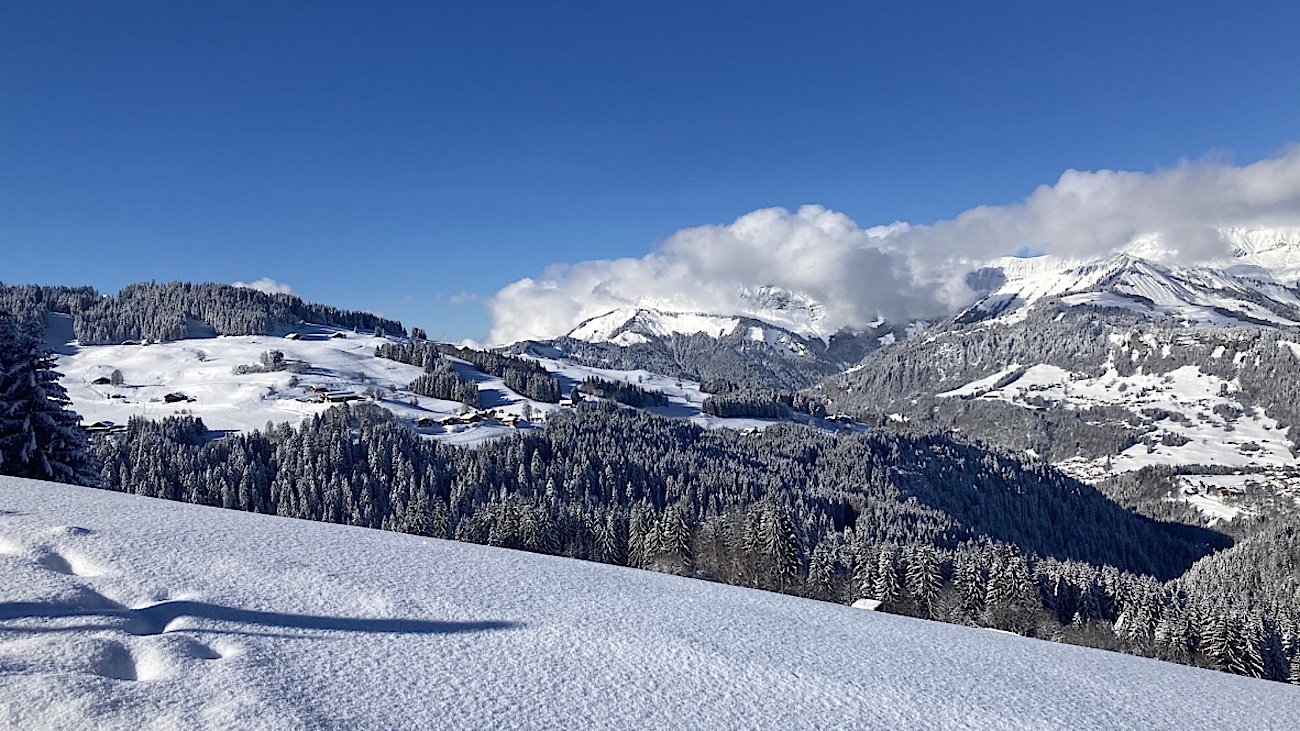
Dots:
(105, 427)
(339, 335)
(176, 397)
(425, 422)
(293, 336)
(101, 381)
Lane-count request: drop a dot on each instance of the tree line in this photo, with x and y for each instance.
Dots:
(153, 312)
(927, 525)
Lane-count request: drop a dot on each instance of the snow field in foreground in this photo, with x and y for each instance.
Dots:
(128, 612)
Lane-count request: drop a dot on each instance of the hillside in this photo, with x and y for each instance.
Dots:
(1108, 367)
(741, 348)
(125, 612)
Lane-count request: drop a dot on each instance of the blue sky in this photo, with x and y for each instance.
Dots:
(414, 158)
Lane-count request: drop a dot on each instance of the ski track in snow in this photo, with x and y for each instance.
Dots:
(203, 618)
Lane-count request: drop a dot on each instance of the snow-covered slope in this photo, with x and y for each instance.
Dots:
(629, 326)
(1255, 286)
(1199, 296)
(203, 372)
(783, 350)
(1203, 420)
(1172, 356)
(790, 310)
(1275, 250)
(335, 365)
(123, 612)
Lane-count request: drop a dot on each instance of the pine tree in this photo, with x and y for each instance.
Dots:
(923, 577)
(781, 547)
(40, 437)
(675, 535)
(886, 586)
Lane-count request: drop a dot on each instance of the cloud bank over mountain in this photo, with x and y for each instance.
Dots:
(903, 271)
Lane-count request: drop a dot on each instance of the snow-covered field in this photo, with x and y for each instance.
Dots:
(123, 612)
(340, 363)
(203, 371)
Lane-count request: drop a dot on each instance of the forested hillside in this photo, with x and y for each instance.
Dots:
(790, 362)
(927, 525)
(910, 378)
(164, 312)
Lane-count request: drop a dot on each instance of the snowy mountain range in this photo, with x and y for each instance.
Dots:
(1106, 367)
(1258, 287)
(776, 344)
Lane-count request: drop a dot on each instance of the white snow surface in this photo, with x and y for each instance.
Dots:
(791, 310)
(123, 612)
(203, 371)
(1276, 250)
(630, 325)
(1223, 292)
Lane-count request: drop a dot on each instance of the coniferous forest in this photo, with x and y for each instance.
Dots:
(927, 525)
(164, 312)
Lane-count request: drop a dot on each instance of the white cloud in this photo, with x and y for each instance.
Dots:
(267, 285)
(909, 271)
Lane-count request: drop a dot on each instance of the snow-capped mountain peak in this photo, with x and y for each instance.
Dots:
(1275, 250)
(633, 325)
(792, 310)
(1240, 291)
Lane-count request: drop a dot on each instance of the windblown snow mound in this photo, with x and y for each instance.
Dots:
(123, 612)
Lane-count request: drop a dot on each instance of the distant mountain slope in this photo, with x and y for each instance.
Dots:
(125, 612)
(165, 312)
(1200, 296)
(736, 348)
(1110, 366)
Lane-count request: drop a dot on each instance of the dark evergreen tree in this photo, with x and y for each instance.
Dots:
(40, 437)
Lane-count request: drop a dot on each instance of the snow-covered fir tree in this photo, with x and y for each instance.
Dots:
(39, 436)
